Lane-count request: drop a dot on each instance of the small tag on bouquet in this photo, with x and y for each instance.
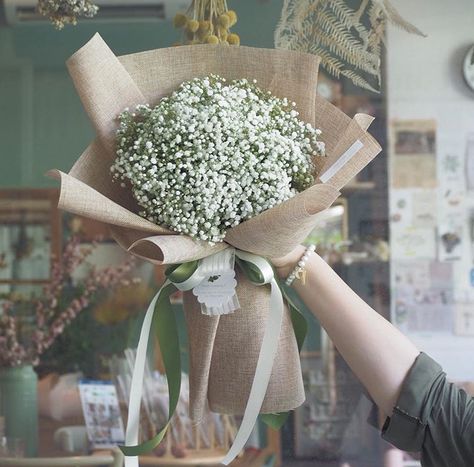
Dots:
(216, 293)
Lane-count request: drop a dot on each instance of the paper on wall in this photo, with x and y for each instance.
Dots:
(453, 235)
(413, 150)
(424, 210)
(401, 208)
(464, 319)
(422, 296)
(413, 243)
(450, 241)
(451, 163)
(413, 274)
(469, 162)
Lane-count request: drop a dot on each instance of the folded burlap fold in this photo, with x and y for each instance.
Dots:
(223, 350)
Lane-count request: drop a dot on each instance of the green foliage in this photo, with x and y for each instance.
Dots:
(86, 344)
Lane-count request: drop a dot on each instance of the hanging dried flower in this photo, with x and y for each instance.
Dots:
(62, 12)
(347, 40)
(208, 22)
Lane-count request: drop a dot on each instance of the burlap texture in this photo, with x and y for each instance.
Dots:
(223, 351)
(223, 373)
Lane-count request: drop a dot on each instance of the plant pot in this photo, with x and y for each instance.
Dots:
(19, 405)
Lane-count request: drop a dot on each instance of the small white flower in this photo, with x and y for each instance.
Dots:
(214, 154)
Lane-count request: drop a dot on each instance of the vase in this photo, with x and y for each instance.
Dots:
(19, 405)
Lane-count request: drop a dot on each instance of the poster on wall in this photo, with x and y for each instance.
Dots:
(414, 154)
(453, 235)
(413, 243)
(422, 296)
(432, 242)
(412, 223)
(469, 163)
(450, 241)
(464, 313)
(101, 413)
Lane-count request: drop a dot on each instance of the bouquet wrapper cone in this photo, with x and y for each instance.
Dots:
(223, 350)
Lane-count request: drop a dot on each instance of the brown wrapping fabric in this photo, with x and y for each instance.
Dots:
(339, 132)
(223, 372)
(223, 350)
(277, 231)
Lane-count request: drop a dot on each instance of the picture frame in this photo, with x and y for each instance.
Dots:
(30, 235)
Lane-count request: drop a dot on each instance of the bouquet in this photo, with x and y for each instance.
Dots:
(213, 155)
(212, 159)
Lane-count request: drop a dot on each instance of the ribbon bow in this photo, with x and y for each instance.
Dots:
(161, 317)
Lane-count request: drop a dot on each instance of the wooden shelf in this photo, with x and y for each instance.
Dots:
(201, 457)
(210, 459)
(359, 186)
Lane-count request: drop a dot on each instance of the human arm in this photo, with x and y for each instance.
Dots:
(378, 354)
(425, 412)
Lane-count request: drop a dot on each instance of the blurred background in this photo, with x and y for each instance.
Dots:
(402, 233)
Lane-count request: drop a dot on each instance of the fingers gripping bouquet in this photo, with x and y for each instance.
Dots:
(211, 159)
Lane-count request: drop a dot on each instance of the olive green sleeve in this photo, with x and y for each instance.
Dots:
(432, 416)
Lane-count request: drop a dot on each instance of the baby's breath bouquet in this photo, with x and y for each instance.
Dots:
(209, 159)
(214, 154)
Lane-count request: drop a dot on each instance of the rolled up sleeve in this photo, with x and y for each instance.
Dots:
(432, 416)
(406, 427)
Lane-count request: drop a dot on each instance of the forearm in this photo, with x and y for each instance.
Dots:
(376, 351)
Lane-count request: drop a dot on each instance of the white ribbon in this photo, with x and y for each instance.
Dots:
(267, 355)
(341, 161)
(136, 387)
(262, 373)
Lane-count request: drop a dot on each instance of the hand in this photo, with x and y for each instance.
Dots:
(285, 264)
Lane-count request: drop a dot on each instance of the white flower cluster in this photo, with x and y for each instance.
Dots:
(214, 154)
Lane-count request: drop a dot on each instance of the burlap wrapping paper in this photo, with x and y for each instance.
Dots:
(223, 350)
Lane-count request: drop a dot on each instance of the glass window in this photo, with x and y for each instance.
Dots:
(401, 233)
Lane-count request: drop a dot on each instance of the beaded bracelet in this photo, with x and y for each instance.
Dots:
(299, 268)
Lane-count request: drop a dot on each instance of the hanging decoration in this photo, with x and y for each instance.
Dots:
(62, 12)
(207, 22)
(349, 41)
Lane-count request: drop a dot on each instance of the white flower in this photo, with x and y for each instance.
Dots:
(214, 154)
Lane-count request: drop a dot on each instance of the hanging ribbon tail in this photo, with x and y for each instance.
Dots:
(275, 420)
(300, 328)
(298, 320)
(259, 271)
(160, 315)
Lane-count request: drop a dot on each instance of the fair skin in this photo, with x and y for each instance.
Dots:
(378, 354)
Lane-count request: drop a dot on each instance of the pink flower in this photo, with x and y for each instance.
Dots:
(51, 318)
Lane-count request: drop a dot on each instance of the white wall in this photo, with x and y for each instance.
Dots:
(424, 74)
(424, 81)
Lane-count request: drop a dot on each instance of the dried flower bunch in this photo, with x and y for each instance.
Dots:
(214, 154)
(61, 302)
(62, 12)
(208, 22)
(348, 40)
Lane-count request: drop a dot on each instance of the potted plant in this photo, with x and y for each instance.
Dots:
(30, 326)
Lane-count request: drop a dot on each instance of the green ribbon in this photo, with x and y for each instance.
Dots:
(300, 328)
(166, 330)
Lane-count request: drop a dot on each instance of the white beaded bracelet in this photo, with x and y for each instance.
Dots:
(299, 268)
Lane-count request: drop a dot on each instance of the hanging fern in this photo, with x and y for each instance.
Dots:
(348, 41)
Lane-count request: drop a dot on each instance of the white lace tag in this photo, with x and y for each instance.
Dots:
(216, 293)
